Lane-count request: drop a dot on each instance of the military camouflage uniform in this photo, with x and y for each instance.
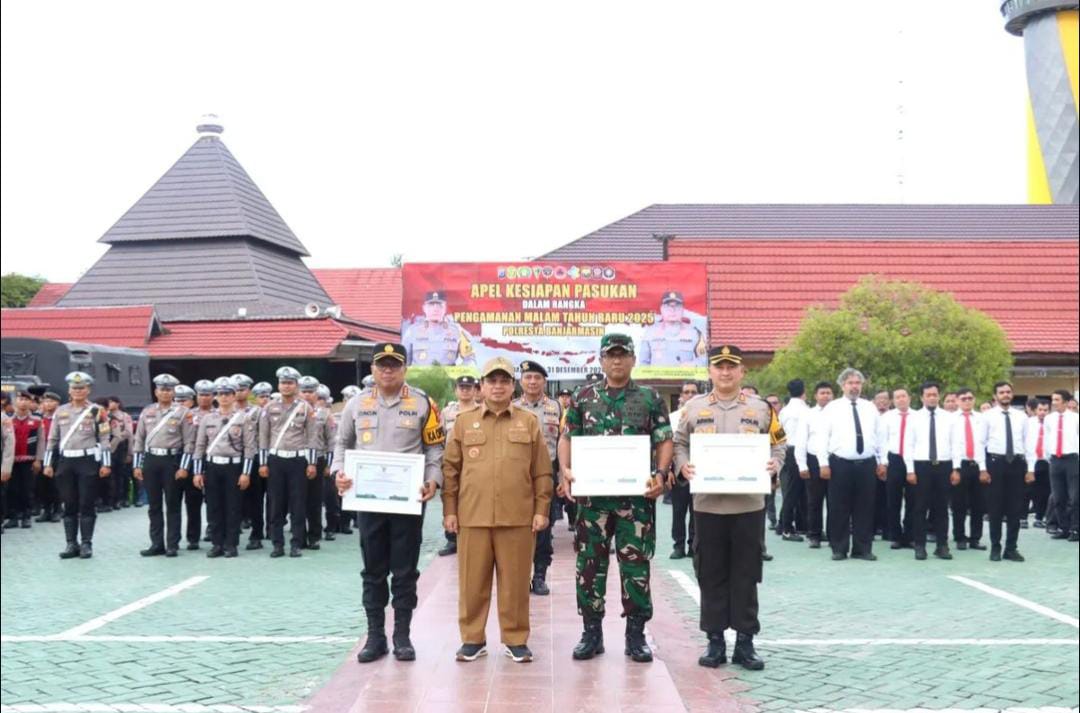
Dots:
(631, 520)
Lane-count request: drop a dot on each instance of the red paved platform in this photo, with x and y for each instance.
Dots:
(553, 681)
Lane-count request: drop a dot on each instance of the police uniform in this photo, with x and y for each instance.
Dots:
(728, 547)
(631, 520)
(449, 416)
(122, 429)
(548, 415)
(322, 431)
(286, 446)
(429, 343)
(225, 445)
(331, 499)
(405, 423)
(79, 440)
(668, 344)
(193, 496)
(256, 508)
(164, 440)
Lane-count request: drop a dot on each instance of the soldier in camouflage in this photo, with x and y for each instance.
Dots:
(613, 407)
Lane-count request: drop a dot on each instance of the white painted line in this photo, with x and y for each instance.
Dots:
(115, 614)
(146, 708)
(1019, 601)
(179, 639)
(689, 585)
(1040, 709)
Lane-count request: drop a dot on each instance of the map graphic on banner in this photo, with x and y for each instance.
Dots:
(459, 315)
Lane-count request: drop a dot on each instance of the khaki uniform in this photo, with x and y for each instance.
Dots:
(287, 447)
(497, 476)
(226, 456)
(238, 443)
(445, 343)
(163, 443)
(84, 433)
(665, 344)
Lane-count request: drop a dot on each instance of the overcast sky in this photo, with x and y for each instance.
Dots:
(490, 131)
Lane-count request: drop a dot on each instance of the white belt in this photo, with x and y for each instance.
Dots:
(163, 451)
(286, 454)
(79, 454)
(226, 460)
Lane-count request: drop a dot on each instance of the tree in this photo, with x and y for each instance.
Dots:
(897, 334)
(434, 381)
(17, 290)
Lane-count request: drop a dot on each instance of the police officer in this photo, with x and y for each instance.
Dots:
(397, 418)
(347, 517)
(164, 440)
(224, 448)
(673, 340)
(330, 498)
(349, 391)
(466, 389)
(323, 434)
(286, 446)
(79, 437)
(193, 496)
(435, 338)
(727, 552)
(616, 406)
(185, 396)
(548, 414)
(565, 396)
(256, 508)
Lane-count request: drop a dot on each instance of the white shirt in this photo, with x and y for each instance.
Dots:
(837, 436)
(791, 415)
(959, 440)
(805, 439)
(994, 431)
(1069, 437)
(1031, 447)
(889, 435)
(920, 442)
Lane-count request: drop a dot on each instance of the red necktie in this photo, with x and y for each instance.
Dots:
(1039, 443)
(969, 437)
(903, 430)
(1061, 436)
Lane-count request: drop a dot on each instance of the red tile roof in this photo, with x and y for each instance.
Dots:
(371, 295)
(49, 294)
(255, 339)
(759, 290)
(114, 326)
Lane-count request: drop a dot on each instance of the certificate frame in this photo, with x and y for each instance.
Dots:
(610, 465)
(730, 463)
(383, 482)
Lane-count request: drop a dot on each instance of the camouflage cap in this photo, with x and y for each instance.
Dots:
(616, 341)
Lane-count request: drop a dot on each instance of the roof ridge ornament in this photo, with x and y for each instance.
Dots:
(209, 125)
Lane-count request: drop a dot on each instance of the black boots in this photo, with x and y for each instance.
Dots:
(71, 532)
(716, 653)
(375, 646)
(745, 655)
(403, 648)
(86, 530)
(592, 639)
(636, 647)
(539, 583)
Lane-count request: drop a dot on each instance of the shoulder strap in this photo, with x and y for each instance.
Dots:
(222, 432)
(74, 426)
(284, 428)
(159, 426)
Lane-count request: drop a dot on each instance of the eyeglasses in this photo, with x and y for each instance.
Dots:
(387, 365)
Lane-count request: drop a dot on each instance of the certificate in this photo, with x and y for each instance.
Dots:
(730, 463)
(610, 465)
(383, 482)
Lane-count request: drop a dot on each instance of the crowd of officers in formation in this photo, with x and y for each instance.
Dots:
(504, 467)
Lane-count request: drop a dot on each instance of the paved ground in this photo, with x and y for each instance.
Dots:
(262, 634)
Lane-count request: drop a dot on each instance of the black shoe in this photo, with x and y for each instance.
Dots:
(471, 652)
(815, 543)
(313, 545)
(766, 557)
(837, 556)
(345, 530)
(403, 648)
(920, 552)
(215, 552)
(1013, 556)
(278, 551)
(152, 551)
(636, 646)
(11, 524)
(868, 556)
(1050, 530)
(55, 517)
(976, 545)
(193, 545)
(1059, 535)
(70, 552)
(171, 552)
(1040, 524)
(294, 551)
(329, 536)
(716, 653)
(86, 551)
(254, 545)
(539, 586)
(678, 553)
(43, 517)
(374, 648)
(206, 538)
(519, 654)
(745, 655)
(231, 552)
(592, 640)
(896, 545)
(995, 553)
(942, 552)
(792, 537)
(450, 549)
(962, 545)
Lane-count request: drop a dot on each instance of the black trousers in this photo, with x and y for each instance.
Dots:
(728, 565)
(77, 481)
(816, 491)
(390, 545)
(1005, 497)
(120, 477)
(48, 494)
(223, 503)
(1065, 481)
(288, 491)
(193, 502)
(332, 503)
(159, 479)
(1038, 493)
(255, 503)
(682, 504)
(852, 489)
(313, 502)
(20, 489)
(932, 495)
(881, 509)
(898, 496)
(792, 493)
(968, 498)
